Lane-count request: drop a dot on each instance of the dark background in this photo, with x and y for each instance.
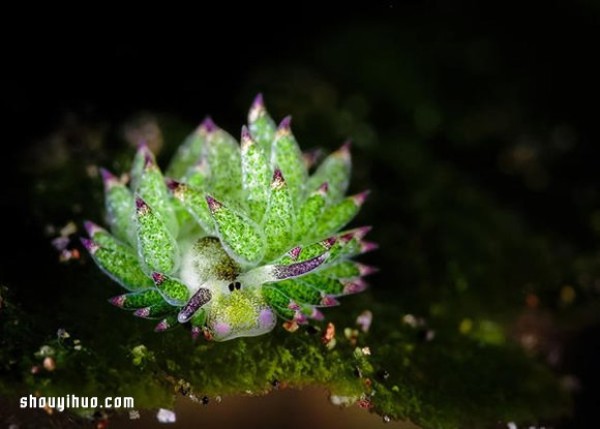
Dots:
(481, 88)
(538, 62)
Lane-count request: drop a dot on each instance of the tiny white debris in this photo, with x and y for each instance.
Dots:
(429, 335)
(511, 425)
(92, 170)
(331, 344)
(134, 414)
(68, 229)
(45, 351)
(62, 334)
(364, 320)
(49, 229)
(342, 401)
(410, 320)
(60, 243)
(166, 416)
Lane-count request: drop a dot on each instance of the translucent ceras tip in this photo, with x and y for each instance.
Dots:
(278, 180)
(358, 233)
(328, 242)
(366, 270)
(293, 305)
(157, 278)
(246, 139)
(149, 160)
(108, 178)
(213, 205)
(144, 151)
(90, 245)
(208, 125)
(344, 151)
(300, 318)
(118, 301)
(257, 108)
(91, 228)
(359, 199)
(141, 206)
(172, 184)
(354, 286)
(259, 101)
(323, 189)
(142, 312)
(329, 301)
(196, 331)
(163, 325)
(284, 127)
(295, 252)
(317, 315)
(311, 157)
(368, 246)
(142, 145)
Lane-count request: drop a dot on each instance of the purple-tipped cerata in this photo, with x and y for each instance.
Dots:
(234, 233)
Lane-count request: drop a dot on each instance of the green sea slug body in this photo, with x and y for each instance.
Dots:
(234, 235)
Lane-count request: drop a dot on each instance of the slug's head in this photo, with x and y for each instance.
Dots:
(239, 312)
(229, 306)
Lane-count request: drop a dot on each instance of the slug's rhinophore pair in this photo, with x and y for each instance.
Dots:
(235, 236)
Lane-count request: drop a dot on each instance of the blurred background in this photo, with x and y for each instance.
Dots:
(475, 128)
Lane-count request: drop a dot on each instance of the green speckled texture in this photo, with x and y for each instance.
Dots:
(298, 292)
(241, 235)
(194, 202)
(187, 154)
(255, 177)
(309, 212)
(286, 155)
(118, 261)
(238, 309)
(325, 284)
(141, 299)
(222, 155)
(335, 170)
(343, 270)
(123, 267)
(173, 291)
(153, 190)
(261, 125)
(120, 207)
(278, 222)
(231, 217)
(157, 247)
(198, 175)
(336, 216)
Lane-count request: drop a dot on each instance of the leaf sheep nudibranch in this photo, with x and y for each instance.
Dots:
(236, 235)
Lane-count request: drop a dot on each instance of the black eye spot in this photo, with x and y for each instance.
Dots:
(231, 287)
(238, 285)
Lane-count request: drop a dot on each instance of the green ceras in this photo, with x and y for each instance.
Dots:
(236, 235)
